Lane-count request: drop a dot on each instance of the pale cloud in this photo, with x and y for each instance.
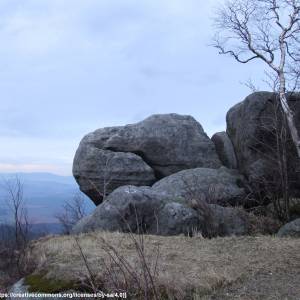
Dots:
(21, 154)
(70, 66)
(29, 168)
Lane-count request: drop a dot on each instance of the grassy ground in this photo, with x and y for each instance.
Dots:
(262, 267)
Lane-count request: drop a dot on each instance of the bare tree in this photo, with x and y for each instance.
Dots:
(72, 211)
(251, 85)
(268, 30)
(16, 203)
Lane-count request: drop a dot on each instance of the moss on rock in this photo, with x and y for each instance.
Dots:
(39, 283)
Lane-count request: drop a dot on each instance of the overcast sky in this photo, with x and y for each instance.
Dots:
(68, 67)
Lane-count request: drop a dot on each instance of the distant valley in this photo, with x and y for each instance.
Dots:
(44, 195)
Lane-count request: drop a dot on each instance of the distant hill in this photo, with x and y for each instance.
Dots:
(34, 231)
(44, 194)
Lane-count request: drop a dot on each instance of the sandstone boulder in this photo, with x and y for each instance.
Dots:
(141, 153)
(142, 209)
(252, 126)
(215, 186)
(168, 143)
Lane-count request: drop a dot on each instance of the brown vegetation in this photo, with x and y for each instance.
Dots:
(187, 268)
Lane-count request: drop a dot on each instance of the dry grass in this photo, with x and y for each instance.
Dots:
(214, 269)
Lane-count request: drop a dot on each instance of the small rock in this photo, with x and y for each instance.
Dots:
(291, 229)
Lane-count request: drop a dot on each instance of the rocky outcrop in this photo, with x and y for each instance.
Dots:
(252, 126)
(155, 170)
(215, 186)
(141, 153)
(225, 149)
(291, 229)
(143, 209)
(140, 209)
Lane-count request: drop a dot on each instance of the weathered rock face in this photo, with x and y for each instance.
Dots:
(98, 172)
(168, 143)
(141, 153)
(290, 229)
(176, 218)
(225, 149)
(142, 209)
(251, 126)
(216, 186)
(229, 221)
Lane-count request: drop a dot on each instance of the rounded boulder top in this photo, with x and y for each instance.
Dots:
(141, 153)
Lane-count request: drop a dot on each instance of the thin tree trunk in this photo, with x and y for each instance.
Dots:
(291, 122)
(287, 110)
(286, 188)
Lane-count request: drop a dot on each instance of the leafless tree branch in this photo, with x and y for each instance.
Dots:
(268, 30)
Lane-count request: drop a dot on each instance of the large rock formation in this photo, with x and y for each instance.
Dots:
(216, 186)
(253, 127)
(190, 189)
(143, 209)
(140, 209)
(141, 153)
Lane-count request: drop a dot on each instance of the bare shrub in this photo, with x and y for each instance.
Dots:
(200, 201)
(72, 211)
(122, 275)
(15, 201)
(14, 233)
(260, 224)
(17, 235)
